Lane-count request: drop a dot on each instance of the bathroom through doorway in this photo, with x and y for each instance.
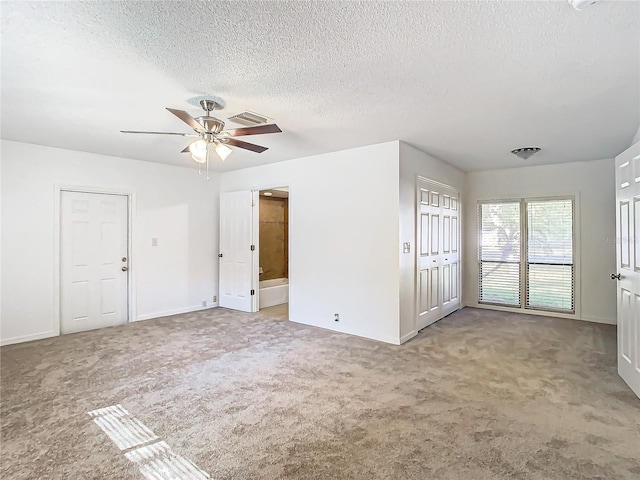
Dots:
(273, 252)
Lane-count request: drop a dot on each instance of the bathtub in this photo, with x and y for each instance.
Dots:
(274, 292)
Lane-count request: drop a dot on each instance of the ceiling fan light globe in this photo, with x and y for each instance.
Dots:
(223, 151)
(198, 148)
(200, 158)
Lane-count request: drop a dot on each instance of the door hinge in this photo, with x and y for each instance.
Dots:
(253, 292)
(253, 247)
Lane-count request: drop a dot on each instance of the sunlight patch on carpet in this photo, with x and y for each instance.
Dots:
(154, 457)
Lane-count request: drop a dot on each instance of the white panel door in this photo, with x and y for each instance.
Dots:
(628, 265)
(438, 256)
(428, 259)
(93, 261)
(450, 255)
(236, 251)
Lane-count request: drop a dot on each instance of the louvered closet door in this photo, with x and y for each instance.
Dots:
(438, 257)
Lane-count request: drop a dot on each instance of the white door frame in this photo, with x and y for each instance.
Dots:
(256, 239)
(420, 180)
(57, 228)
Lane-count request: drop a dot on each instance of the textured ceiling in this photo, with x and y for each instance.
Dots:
(464, 81)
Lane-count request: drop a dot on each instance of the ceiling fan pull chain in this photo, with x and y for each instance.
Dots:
(207, 162)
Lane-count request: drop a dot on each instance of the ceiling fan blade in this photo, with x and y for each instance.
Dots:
(162, 133)
(245, 145)
(259, 130)
(185, 149)
(186, 118)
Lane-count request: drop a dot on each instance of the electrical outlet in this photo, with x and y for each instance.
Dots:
(215, 298)
(337, 317)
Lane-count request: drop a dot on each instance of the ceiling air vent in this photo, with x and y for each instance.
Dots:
(249, 119)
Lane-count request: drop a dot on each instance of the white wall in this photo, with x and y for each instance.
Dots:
(174, 204)
(414, 162)
(593, 184)
(636, 137)
(343, 236)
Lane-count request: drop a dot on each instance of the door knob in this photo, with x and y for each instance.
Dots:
(124, 269)
(616, 277)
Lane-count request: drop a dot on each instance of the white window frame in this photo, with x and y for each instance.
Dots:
(524, 233)
(575, 197)
(479, 261)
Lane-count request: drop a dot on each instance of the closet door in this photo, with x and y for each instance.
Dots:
(438, 258)
(450, 251)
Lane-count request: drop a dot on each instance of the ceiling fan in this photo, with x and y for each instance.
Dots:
(210, 131)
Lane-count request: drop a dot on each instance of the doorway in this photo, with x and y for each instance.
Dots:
(273, 252)
(94, 260)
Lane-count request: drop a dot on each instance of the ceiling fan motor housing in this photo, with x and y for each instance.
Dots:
(211, 124)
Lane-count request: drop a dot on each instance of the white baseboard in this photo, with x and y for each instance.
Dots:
(27, 338)
(349, 331)
(40, 336)
(177, 311)
(608, 321)
(408, 336)
(584, 318)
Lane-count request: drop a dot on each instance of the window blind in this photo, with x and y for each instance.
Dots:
(549, 262)
(499, 253)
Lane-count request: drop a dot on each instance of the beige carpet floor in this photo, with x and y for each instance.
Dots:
(277, 311)
(478, 395)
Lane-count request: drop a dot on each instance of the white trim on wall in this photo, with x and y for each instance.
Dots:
(356, 332)
(131, 292)
(408, 336)
(177, 311)
(27, 338)
(607, 321)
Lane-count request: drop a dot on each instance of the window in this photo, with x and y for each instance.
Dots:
(499, 253)
(527, 245)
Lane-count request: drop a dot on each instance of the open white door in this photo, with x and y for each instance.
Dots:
(237, 250)
(628, 265)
